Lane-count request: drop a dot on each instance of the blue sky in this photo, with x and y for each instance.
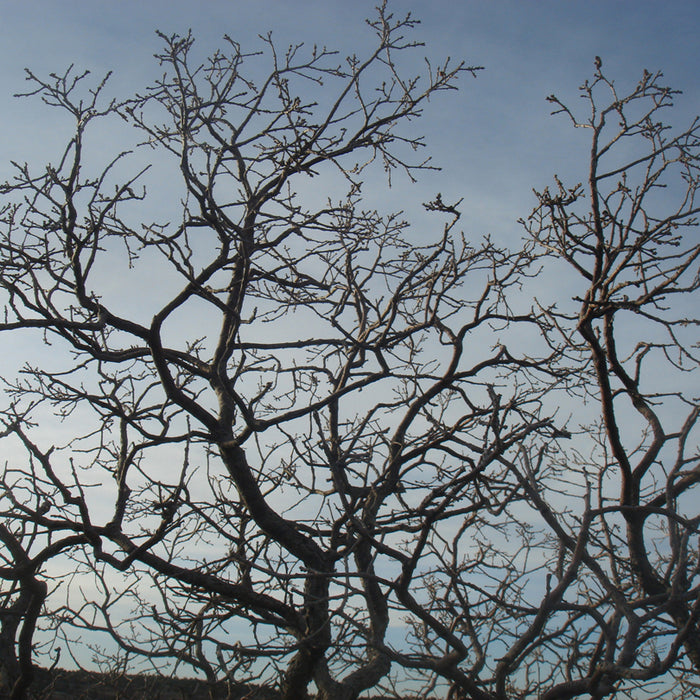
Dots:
(494, 139)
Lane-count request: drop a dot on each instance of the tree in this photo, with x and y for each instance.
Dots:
(310, 429)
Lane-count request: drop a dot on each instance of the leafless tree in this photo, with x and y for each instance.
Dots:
(629, 237)
(297, 444)
(597, 593)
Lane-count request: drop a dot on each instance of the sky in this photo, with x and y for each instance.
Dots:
(494, 139)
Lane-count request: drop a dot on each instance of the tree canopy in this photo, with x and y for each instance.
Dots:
(278, 436)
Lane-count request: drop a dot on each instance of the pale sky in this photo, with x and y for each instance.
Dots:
(494, 139)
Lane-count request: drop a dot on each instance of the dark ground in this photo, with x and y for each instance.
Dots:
(59, 684)
(82, 685)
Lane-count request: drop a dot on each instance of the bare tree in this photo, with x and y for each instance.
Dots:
(629, 237)
(312, 450)
(28, 544)
(21, 605)
(597, 593)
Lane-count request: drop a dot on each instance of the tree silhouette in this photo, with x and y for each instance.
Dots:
(300, 445)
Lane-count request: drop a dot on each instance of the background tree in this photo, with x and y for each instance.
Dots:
(634, 247)
(315, 450)
(596, 594)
